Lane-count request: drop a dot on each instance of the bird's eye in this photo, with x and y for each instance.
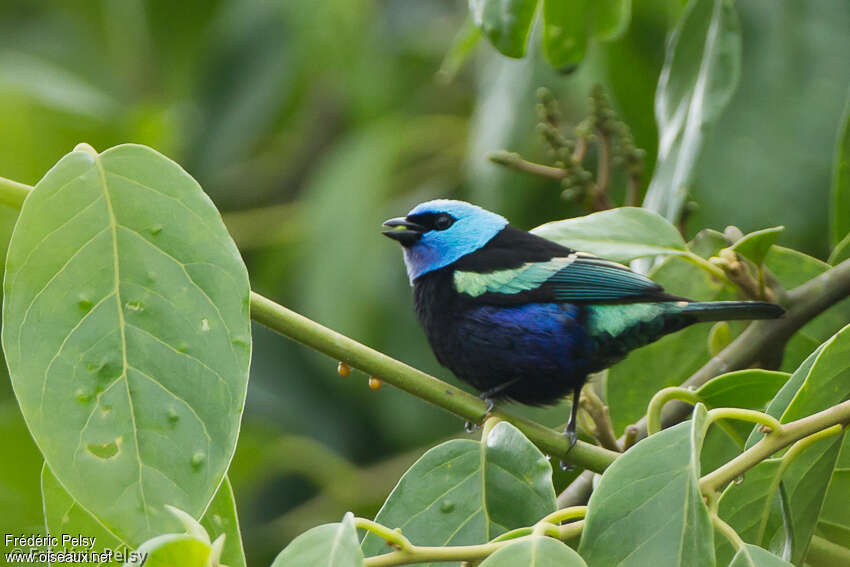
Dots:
(443, 222)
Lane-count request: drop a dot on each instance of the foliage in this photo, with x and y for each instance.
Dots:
(126, 303)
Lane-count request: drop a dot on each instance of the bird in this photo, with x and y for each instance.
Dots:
(525, 319)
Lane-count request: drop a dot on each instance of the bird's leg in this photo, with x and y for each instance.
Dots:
(489, 396)
(570, 430)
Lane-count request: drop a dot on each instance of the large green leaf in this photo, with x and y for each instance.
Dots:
(752, 506)
(700, 73)
(647, 508)
(568, 26)
(330, 545)
(793, 268)
(537, 551)
(505, 23)
(64, 515)
(839, 206)
(753, 556)
(834, 521)
(127, 334)
(620, 235)
(463, 492)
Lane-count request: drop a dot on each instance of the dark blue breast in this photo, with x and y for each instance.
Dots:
(542, 347)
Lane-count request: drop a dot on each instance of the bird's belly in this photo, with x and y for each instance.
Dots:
(541, 349)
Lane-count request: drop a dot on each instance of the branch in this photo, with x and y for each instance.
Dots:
(13, 193)
(759, 339)
(418, 383)
(407, 553)
(810, 429)
(514, 161)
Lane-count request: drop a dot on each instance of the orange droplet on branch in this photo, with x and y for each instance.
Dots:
(374, 383)
(343, 369)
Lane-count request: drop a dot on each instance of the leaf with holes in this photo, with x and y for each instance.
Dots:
(127, 334)
(63, 515)
(464, 492)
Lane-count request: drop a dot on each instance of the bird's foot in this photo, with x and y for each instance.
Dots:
(571, 434)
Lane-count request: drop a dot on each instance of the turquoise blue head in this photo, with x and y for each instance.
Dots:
(437, 233)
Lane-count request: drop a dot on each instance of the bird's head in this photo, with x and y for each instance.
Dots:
(436, 233)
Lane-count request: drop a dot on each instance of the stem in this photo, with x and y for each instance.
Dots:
(818, 425)
(598, 412)
(514, 161)
(746, 415)
(561, 516)
(13, 193)
(632, 190)
(701, 262)
(418, 383)
(656, 404)
(409, 553)
(727, 531)
(392, 536)
(603, 175)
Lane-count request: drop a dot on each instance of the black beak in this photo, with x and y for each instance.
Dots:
(408, 235)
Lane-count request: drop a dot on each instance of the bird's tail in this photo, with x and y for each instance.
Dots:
(732, 310)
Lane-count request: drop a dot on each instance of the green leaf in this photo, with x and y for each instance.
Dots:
(839, 206)
(700, 74)
(330, 545)
(565, 31)
(841, 251)
(506, 23)
(568, 26)
(753, 506)
(620, 235)
(127, 335)
(64, 515)
(537, 551)
(754, 556)
(611, 18)
(834, 520)
(755, 245)
(463, 492)
(793, 268)
(647, 508)
(172, 549)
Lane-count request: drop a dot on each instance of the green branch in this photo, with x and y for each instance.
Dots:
(392, 371)
(407, 553)
(808, 429)
(416, 382)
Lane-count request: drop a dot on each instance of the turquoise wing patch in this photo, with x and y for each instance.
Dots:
(527, 277)
(578, 277)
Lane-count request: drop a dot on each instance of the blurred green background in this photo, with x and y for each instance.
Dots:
(310, 123)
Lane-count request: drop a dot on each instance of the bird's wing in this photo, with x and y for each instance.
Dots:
(578, 277)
